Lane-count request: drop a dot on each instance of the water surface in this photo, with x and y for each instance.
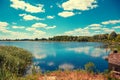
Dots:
(64, 55)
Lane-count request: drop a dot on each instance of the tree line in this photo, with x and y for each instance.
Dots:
(113, 36)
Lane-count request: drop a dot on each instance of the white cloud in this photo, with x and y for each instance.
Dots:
(23, 35)
(3, 24)
(40, 56)
(39, 25)
(66, 66)
(96, 28)
(111, 22)
(66, 14)
(39, 32)
(21, 4)
(4, 30)
(18, 34)
(78, 32)
(95, 25)
(87, 31)
(30, 29)
(51, 27)
(3, 27)
(79, 5)
(14, 35)
(96, 52)
(107, 30)
(80, 49)
(97, 32)
(116, 27)
(51, 64)
(36, 33)
(18, 27)
(30, 17)
(50, 17)
(9, 34)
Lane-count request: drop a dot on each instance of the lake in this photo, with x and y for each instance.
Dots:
(64, 55)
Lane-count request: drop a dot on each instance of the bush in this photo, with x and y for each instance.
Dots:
(14, 61)
(89, 67)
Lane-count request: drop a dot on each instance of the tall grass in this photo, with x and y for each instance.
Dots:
(13, 62)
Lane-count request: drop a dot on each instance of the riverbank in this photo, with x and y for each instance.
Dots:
(71, 75)
(113, 45)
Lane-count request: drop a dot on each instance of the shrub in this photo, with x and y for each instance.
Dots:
(89, 67)
(14, 61)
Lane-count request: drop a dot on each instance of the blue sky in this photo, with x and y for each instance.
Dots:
(47, 18)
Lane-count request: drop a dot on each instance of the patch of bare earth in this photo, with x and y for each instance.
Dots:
(71, 75)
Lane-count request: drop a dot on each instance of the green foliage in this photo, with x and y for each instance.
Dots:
(69, 38)
(118, 38)
(100, 37)
(36, 39)
(110, 78)
(106, 71)
(13, 61)
(63, 38)
(112, 35)
(89, 67)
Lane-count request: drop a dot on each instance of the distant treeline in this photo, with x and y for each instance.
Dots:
(113, 36)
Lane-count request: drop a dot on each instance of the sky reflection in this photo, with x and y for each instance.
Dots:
(91, 51)
(64, 55)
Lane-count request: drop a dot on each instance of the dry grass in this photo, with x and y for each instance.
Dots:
(71, 75)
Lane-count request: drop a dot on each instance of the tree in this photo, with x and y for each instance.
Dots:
(118, 38)
(36, 39)
(101, 37)
(112, 35)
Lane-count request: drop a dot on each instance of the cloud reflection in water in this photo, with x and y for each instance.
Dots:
(66, 66)
(91, 51)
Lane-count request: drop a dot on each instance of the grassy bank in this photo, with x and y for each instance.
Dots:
(113, 45)
(13, 62)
